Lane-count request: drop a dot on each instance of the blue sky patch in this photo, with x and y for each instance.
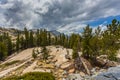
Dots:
(103, 21)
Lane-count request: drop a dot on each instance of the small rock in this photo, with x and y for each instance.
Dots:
(71, 71)
(82, 74)
(74, 77)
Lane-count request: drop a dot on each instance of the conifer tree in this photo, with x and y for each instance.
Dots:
(72, 40)
(34, 55)
(75, 53)
(26, 32)
(56, 40)
(31, 40)
(45, 53)
(87, 35)
(38, 38)
(18, 42)
(76, 47)
(3, 51)
(22, 43)
(110, 40)
(44, 38)
(96, 43)
(49, 38)
(9, 46)
(66, 42)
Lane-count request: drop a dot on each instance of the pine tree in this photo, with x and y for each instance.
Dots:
(45, 53)
(22, 43)
(96, 43)
(26, 32)
(72, 40)
(38, 38)
(87, 35)
(56, 40)
(9, 46)
(110, 40)
(31, 40)
(75, 53)
(49, 38)
(76, 47)
(3, 51)
(66, 42)
(18, 43)
(44, 38)
(34, 55)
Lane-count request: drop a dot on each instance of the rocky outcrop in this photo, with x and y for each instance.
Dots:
(104, 62)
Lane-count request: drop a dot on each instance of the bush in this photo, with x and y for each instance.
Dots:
(34, 55)
(9, 63)
(33, 76)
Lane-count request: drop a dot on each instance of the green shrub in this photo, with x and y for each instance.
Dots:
(9, 63)
(33, 76)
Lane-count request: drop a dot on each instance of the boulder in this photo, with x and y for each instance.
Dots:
(111, 64)
(102, 62)
(113, 73)
(66, 65)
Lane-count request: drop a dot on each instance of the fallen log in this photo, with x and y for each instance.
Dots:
(82, 64)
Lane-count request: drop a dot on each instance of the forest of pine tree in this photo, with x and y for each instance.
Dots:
(91, 42)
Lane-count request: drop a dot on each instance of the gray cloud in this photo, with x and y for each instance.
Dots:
(55, 14)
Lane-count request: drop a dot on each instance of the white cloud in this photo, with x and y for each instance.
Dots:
(71, 28)
(53, 13)
(102, 26)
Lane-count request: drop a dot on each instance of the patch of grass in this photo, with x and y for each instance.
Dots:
(9, 63)
(32, 76)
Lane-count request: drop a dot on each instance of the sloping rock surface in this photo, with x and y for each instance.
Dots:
(113, 73)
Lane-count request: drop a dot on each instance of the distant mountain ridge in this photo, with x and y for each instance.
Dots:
(13, 30)
(55, 32)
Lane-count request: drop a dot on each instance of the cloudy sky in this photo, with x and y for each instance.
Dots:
(63, 15)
